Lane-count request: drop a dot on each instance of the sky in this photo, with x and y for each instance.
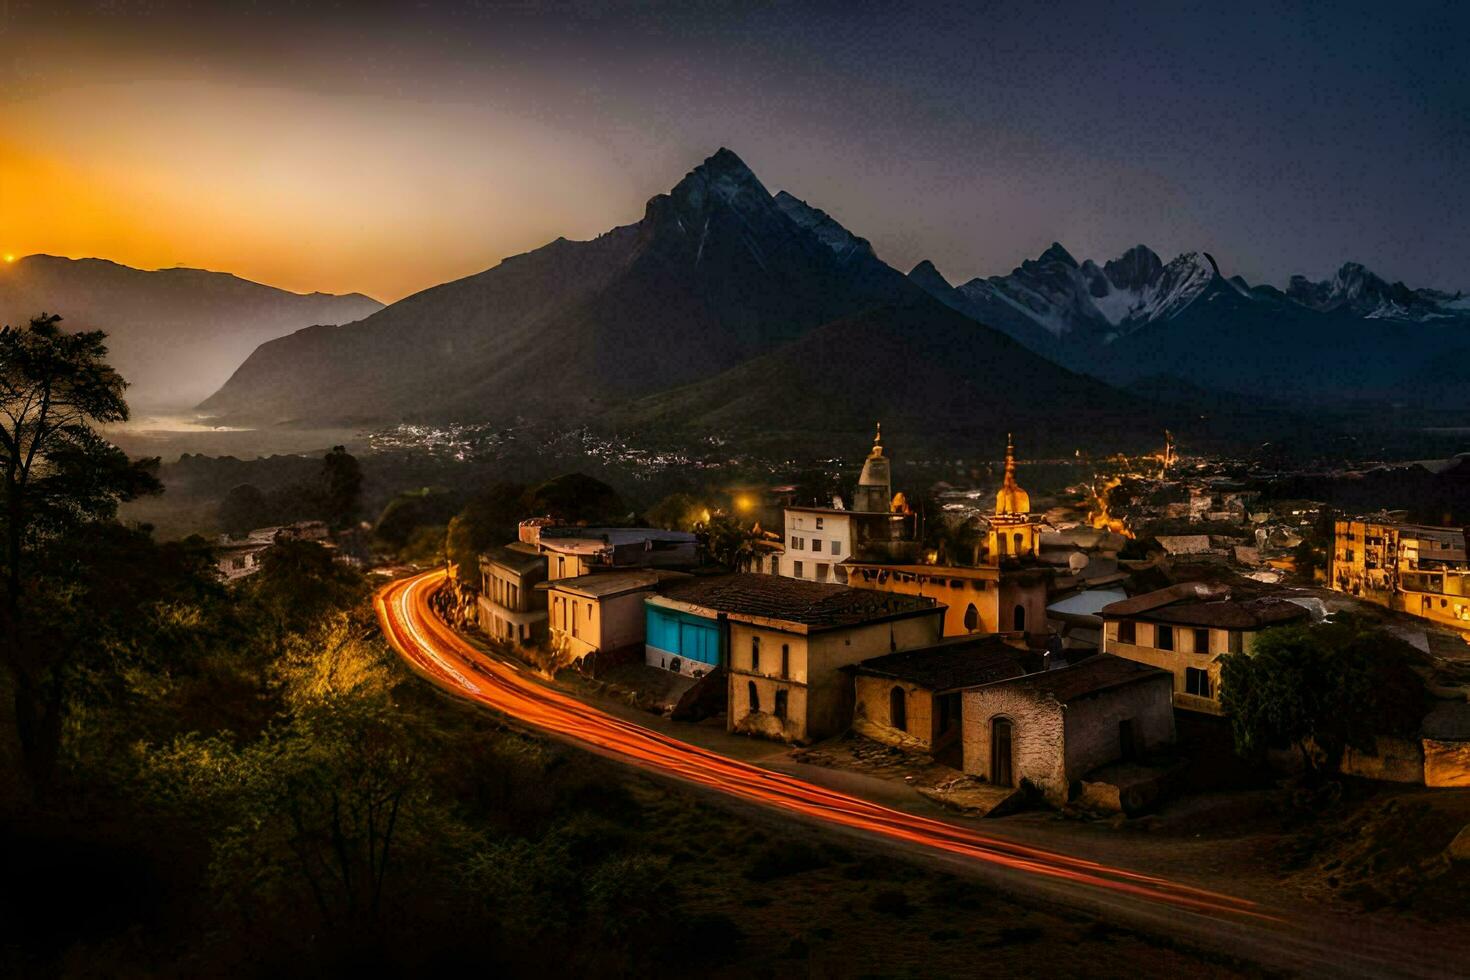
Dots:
(356, 146)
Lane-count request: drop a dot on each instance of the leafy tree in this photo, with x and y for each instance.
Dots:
(1333, 686)
(490, 518)
(243, 509)
(723, 540)
(342, 491)
(60, 476)
(299, 582)
(677, 512)
(411, 510)
(577, 499)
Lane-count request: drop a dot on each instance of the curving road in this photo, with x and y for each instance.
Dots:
(447, 658)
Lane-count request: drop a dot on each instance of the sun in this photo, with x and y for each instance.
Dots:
(9, 257)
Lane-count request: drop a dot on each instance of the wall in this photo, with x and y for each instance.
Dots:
(803, 524)
(677, 640)
(871, 700)
(1176, 661)
(956, 594)
(1446, 763)
(623, 621)
(1037, 736)
(1029, 595)
(1092, 736)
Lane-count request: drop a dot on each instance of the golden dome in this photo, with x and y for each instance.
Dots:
(1011, 499)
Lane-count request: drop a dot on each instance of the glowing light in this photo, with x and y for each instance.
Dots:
(744, 502)
(9, 257)
(442, 656)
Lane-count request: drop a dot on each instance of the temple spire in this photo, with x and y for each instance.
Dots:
(877, 442)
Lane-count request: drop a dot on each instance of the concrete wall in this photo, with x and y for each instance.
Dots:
(1030, 596)
(803, 525)
(1184, 655)
(1038, 734)
(1092, 732)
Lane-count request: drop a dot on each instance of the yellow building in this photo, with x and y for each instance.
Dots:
(1005, 595)
(598, 613)
(1014, 532)
(1186, 629)
(784, 641)
(1413, 568)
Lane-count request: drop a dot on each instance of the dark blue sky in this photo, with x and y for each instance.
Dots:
(1282, 138)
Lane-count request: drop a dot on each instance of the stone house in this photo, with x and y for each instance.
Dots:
(1186, 628)
(1050, 728)
(913, 697)
(784, 642)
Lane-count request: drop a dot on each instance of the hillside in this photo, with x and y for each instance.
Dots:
(715, 273)
(175, 334)
(933, 377)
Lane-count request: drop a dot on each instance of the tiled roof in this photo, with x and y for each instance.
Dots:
(963, 662)
(1097, 673)
(811, 604)
(1196, 604)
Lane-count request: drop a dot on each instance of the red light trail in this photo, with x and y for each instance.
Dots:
(449, 660)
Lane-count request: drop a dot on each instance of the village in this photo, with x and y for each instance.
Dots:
(1021, 654)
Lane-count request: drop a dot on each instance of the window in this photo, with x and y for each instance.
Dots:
(1197, 682)
(819, 524)
(780, 709)
(1201, 641)
(1234, 641)
(1020, 546)
(1019, 619)
(1164, 637)
(1000, 543)
(796, 569)
(755, 697)
(755, 653)
(785, 660)
(817, 545)
(1127, 631)
(972, 618)
(798, 543)
(898, 709)
(836, 547)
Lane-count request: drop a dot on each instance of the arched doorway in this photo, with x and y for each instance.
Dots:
(1020, 548)
(1019, 619)
(898, 714)
(972, 618)
(1000, 752)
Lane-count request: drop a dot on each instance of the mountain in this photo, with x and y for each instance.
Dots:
(718, 271)
(1356, 290)
(174, 334)
(936, 380)
(1135, 317)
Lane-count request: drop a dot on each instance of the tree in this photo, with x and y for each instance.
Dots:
(244, 508)
(677, 512)
(578, 499)
(342, 492)
(1329, 686)
(490, 518)
(60, 476)
(724, 541)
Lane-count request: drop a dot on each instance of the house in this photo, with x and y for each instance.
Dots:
(509, 606)
(978, 598)
(236, 558)
(1186, 628)
(913, 696)
(1414, 568)
(1077, 618)
(573, 551)
(600, 613)
(783, 643)
(819, 539)
(1050, 728)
